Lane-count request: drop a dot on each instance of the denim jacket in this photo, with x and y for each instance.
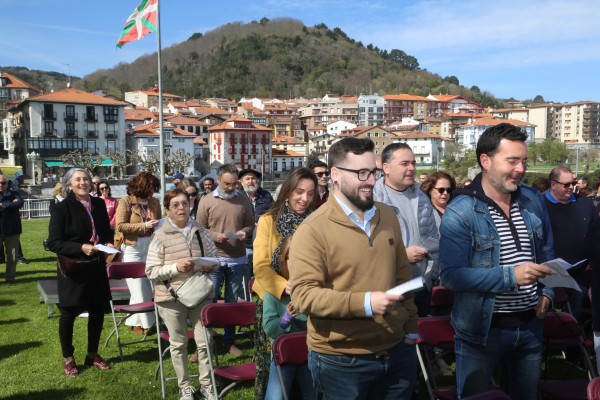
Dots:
(470, 255)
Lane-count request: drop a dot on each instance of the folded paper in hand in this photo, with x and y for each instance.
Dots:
(231, 235)
(106, 249)
(413, 284)
(201, 262)
(560, 276)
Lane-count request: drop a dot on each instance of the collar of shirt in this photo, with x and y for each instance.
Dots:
(551, 198)
(364, 225)
(216, 193)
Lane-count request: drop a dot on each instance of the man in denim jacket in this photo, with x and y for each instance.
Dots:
(491, 248)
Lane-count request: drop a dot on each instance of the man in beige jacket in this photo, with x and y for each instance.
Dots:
(343, 258)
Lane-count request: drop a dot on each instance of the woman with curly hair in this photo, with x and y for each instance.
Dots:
(138, 214)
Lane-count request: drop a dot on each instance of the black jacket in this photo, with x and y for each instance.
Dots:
(10, 219)
(70, 227)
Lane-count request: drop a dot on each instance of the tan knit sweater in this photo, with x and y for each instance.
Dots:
(168, 246)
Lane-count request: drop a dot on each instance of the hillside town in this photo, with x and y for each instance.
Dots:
(267, 134)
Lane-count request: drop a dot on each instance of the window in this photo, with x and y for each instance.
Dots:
(48, 111)
(292, 164)
(150, 140)
(48, 128)
(69, 128)
(181, 140)
(283, 165)
(274, 165)
(90, 113)
(111, 146)
(91, 146)
(111, 114)
(70, 112)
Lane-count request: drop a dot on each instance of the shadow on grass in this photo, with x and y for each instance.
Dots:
(7, 302)
(36, 278)
(14, 321)
(37, 272)
(12, 349)
(48, 394)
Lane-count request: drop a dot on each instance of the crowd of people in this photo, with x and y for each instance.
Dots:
(324, 253)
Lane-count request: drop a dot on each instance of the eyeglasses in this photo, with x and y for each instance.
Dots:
(103, 188)
(364, 174)
(321, 174)
(183, 204)
(3, 182)
(566, 185)
(193, 194)
(443, 190)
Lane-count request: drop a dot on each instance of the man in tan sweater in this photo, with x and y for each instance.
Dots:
(227, 214)
(343, 258)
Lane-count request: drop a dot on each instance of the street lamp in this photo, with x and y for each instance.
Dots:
(577, 149)
(33, 157)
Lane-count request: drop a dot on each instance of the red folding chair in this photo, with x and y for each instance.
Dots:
(442, 300)
(123, 270)
(221, 315)
(434, 332)
(562, 331)
(593, 389)
(289, 349)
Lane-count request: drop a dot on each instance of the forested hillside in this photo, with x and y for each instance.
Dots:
(280, 58)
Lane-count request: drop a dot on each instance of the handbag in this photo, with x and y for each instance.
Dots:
(70, 265)
(195, 289)
(118, 242)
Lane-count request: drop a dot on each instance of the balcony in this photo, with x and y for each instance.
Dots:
(91, 134)
(49, 116)
(111, 134)
(91, 117)
(111, 118)
(71, 116)
(49, 132)
(70, 133)
(54, 147)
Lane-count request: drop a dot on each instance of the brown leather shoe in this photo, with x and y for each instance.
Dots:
(138, 330)
(97, 362)
(234, 351)
(70, 368)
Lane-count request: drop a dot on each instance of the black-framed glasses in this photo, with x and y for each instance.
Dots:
(103, 188)
(3, 182)
(364, 174)
(566, 185)
(321, 174)
(443, 190)
(193, 194)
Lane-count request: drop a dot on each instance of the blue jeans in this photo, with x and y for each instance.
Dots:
(365, 376)
(518, 351)
(232, 274)
(299, 373)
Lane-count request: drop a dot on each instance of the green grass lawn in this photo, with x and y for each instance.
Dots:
(30, 356)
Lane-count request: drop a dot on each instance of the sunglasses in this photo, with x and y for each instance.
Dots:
(103, 188)
(566, 185)
(193, 194)
(443, 190)
(3, 182)
(321, 174)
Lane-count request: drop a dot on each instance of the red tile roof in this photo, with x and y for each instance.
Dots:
(17, 83)
(139, 114)
(71, 95)
(152, 129)
(405, 97)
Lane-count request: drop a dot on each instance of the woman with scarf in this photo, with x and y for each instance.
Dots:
(294, 203)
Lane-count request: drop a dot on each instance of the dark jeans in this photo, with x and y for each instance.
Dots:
(366, 376)
(517, 350)
(67, 320)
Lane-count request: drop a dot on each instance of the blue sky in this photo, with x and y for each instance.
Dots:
(518, 48)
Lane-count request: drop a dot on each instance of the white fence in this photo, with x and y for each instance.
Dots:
(35, 208)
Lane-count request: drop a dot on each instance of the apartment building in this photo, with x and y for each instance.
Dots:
(380, 136)
(149, 98)
(428, 148)
(578, 123)
(329, 109)
(469, 134)
(240, 141)
(284, 161)
(399, 106)
(444, 103)
(59, 122)
(291, 143)
(370, 110)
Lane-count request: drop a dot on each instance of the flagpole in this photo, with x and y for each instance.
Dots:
(161, 137)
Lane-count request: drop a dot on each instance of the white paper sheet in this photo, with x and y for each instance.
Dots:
(106, 249)
(413, 284)
(560, 277)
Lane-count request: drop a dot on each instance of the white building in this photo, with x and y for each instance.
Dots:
(337, 127)
(284, 161)
(469, 134)
(370, 110)
(428, 148)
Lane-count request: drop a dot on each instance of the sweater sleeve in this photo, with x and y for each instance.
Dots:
(124, 216)
(273, 309)
(266, 277)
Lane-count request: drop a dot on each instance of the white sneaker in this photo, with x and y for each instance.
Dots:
(186, 393)
(208, 392)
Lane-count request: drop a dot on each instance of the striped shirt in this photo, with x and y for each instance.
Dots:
(515, 249)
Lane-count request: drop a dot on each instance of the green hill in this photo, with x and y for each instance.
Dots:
(280, 58)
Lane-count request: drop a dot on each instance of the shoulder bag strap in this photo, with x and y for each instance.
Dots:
(167, 283)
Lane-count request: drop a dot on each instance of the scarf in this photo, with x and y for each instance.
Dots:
(286, 226)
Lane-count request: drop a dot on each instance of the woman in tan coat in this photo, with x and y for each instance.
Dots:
(138, 214)
(170, 262)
